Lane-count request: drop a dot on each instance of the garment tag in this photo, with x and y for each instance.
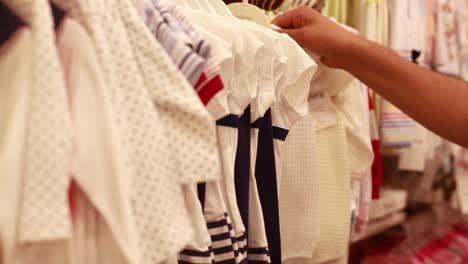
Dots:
(323, 111)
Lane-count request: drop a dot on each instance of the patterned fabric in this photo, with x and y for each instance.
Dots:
(184, 51)
(149, 155)
(179, 46)
(44, 211)
(186, 121)
(225, 246)
(300, 193)
(16, 62)
(187, 49)
(396, 128)
(335, 194)
(227, 136)
(210, 81)
(97, 150)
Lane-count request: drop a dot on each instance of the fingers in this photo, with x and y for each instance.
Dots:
(285, 20)
(296, 18)
(296, 34)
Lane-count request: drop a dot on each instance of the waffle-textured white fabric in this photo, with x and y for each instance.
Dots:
(300, 197)
(15, 72)
(44, 211)
(349, 103)
(330, 134)
(350, 150)
(335, 193)
(291, 91)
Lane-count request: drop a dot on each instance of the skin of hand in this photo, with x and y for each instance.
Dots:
(317, 33)
(437, 101)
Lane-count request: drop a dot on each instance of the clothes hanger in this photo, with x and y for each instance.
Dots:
(249, 12)
(10, 23)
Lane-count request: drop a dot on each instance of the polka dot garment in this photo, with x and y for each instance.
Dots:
(44, 211)
(190, 150)
(158, 204)
(157, 199)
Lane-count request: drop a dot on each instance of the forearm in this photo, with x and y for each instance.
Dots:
(438, 102)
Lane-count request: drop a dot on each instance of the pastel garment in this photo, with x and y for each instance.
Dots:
(336, 118)
(181, 47)
(186, 47)
(210, 75)
(176, 43)
(97, 151)
(365, 184)
(179, 109)
(371, 20)
(263, 202)
(446, 49)
(406, 21)
(236, 99)
(224, 241)
(16, 65)
(291, 95)
(349, 103)
(299, 201)
(144, 155)
(227, 138)
(199, 249)
(44, 213)
(240, 92)
(335, 193)
(337, 9)
(247, 192)
(224, 238)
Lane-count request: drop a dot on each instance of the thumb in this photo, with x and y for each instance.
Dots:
(296, 34)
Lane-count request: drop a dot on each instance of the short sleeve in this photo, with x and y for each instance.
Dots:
(292, 91)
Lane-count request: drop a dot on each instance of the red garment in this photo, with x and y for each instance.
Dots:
(377, 172)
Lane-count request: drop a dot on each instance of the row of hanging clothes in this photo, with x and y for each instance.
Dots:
(173, 132)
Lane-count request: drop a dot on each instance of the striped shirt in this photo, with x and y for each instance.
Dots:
(175, 42)
(188, 50)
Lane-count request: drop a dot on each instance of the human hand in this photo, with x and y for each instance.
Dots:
(319, 34)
